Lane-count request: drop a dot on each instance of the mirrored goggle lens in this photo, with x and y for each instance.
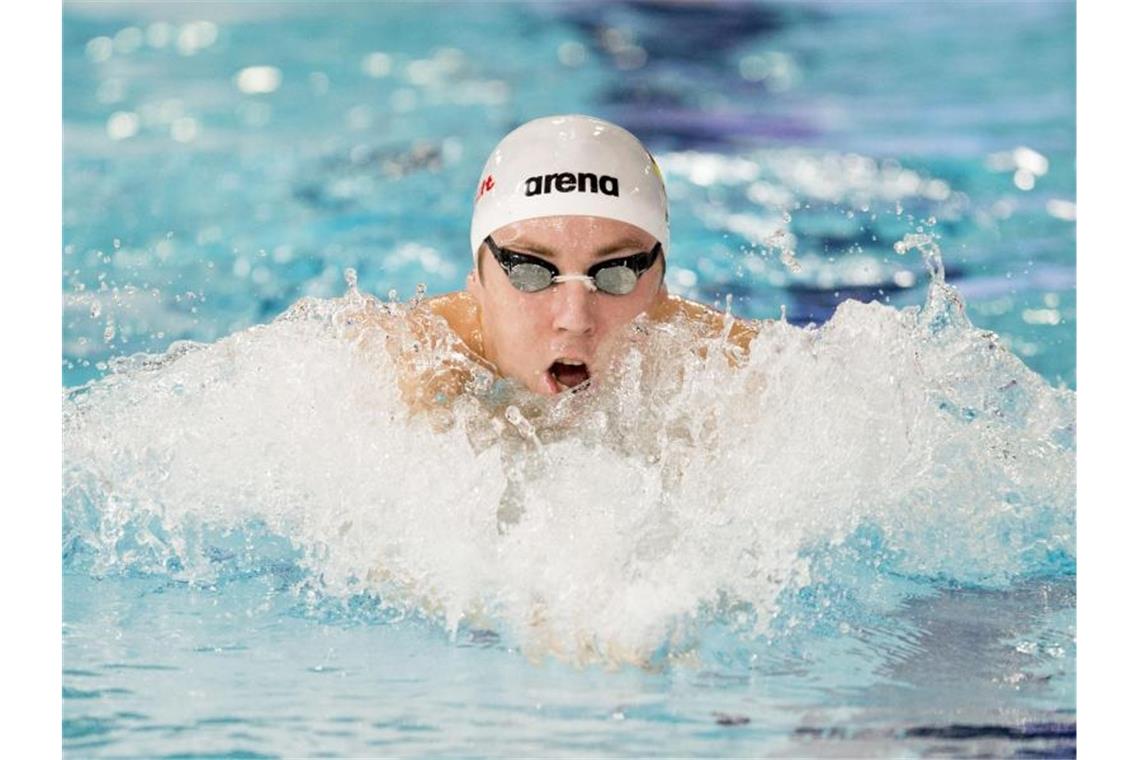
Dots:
(530, 277)
(616, 280)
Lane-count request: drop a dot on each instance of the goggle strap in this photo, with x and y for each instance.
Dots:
(585, 279)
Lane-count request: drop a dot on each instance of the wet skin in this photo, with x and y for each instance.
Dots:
(531, 337)
(548, 340)
(524, 334)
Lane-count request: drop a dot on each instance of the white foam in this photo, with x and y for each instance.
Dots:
(599, 524)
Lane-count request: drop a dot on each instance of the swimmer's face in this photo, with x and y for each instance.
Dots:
(541, 338)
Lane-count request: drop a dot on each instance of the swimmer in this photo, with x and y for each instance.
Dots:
(569, 239)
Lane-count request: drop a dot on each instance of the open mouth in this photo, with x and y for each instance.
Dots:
(565, 374)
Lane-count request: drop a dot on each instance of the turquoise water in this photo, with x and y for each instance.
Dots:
(859, 544)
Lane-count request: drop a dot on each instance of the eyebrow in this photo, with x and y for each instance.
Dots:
(601, 253)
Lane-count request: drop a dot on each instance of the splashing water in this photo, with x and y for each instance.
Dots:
(697, 486)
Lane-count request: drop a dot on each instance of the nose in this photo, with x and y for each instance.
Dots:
(574, 308)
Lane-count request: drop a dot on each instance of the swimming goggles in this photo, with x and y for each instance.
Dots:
(530, 274)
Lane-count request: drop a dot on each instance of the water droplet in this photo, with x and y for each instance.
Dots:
(788, 259)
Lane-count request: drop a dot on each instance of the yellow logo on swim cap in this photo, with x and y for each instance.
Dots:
(661, 179)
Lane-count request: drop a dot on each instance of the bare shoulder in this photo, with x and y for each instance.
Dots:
(740, 331)
(461, 313)
(432, 343)
(457, 310)
(457, 307)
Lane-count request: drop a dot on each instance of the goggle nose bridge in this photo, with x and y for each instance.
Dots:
(585, 279)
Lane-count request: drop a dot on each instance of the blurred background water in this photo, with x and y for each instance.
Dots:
(222, 160)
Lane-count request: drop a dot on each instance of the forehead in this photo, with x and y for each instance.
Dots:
(573, 235)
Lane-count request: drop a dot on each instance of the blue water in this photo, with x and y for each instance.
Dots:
(893, 572)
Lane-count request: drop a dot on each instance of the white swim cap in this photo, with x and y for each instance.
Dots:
(570, 166)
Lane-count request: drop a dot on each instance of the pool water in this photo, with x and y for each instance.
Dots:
(859, 542)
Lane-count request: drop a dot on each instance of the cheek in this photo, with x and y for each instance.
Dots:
(514, 324)
(523, 315)
(612, 321)
(624, 310)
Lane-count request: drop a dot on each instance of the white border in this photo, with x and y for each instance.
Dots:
(32, 323)
(1107, 289)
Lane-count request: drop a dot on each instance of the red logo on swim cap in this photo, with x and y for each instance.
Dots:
(485, 186)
